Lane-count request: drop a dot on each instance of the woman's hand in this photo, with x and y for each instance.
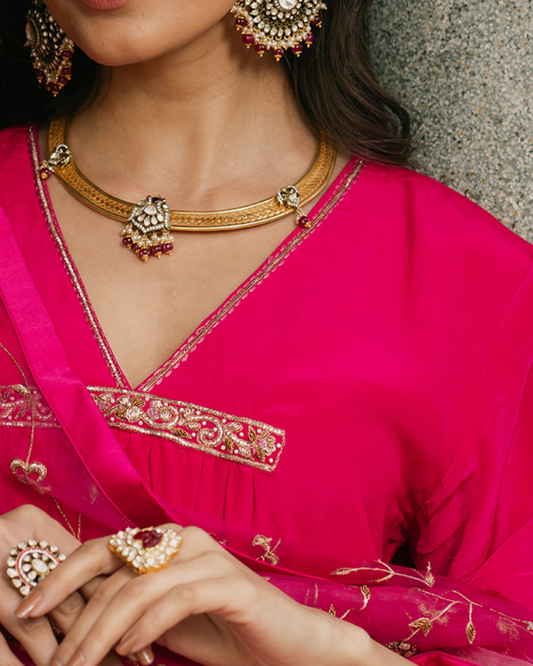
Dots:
(206, 605)
(35, 635)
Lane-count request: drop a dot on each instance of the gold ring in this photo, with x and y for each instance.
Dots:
(30, 562)
(146, 549)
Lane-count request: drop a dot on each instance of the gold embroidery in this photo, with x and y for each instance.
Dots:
(387, 573)
(333, 612)
(16, 407)
(424, 623)
(270, 553)
(506, 624)
(13, 410)
(34, 399)
(69, 266)
(365, 591)
(470, 629)
(23, 472)
(232, 438)
(248, 286)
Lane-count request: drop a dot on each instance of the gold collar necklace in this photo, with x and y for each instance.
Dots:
(149, 222)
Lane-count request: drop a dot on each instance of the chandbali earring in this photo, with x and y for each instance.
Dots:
(51, 50)
(279, 25)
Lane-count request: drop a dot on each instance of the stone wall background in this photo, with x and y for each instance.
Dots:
(465, 71)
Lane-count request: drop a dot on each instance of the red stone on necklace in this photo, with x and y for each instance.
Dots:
(149, 538)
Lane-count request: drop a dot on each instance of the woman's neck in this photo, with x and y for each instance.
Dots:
(209, 126)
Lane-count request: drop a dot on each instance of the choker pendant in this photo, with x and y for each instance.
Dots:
(147, 232)
(289, 197)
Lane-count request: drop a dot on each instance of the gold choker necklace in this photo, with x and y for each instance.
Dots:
(149, 222)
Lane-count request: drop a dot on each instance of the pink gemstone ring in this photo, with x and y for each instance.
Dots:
(146, 549)
(30, 562)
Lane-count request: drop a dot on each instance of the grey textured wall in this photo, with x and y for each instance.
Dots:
(465, 70)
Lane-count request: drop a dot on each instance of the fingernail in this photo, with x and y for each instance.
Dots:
(56, 663)
(29, 604)
(145, 657)
(77, 660)
(127, 643)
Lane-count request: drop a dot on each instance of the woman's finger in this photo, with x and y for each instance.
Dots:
(124, 598)
(7, 658)
(215, 596)
(93, 611)
(89, 561)
(35, 634)
(69, 610)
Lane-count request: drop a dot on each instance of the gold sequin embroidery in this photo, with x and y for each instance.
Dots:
(16, 408)
(266, 544)
(219, 434)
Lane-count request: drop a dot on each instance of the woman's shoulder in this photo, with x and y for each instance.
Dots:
(431, 212)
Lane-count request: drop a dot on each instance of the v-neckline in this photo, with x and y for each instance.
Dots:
(319, 212)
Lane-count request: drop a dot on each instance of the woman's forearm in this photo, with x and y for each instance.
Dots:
(360, 650)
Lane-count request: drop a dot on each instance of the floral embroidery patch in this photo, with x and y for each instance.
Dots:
(16, 404)
(233, 438)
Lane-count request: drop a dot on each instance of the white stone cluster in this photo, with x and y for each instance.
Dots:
(30, 562)
(279, 24)
(130, 549)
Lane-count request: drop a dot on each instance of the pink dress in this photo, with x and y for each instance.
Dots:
(368, 386)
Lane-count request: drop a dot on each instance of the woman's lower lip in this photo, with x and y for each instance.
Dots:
(105, 5)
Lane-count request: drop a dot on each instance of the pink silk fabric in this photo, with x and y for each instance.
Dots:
(369, 386)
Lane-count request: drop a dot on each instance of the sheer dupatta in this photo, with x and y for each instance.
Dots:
(426, 618)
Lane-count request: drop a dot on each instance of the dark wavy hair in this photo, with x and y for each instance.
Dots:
(334, 83)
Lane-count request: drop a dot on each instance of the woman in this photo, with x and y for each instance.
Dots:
(362, 383)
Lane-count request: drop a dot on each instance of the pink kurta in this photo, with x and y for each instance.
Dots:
(369, 385)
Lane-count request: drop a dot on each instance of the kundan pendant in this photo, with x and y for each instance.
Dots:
(289, 197)
(147, 232)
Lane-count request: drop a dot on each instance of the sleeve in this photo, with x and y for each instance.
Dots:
(477, 525)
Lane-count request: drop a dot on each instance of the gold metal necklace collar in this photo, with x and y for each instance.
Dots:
(149, 222)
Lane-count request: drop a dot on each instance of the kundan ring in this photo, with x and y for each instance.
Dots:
(30, 562)
(146, 550)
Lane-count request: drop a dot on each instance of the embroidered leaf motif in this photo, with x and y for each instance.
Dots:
(252, 436)
(470, 632)
(344, 571)
(365, 591)
(332, 611)
(181, 433)
(234, 427)
(423, 623)
(530, 626)
(230, 446)
(429, 577)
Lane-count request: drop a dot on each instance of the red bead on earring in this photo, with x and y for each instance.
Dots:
(51, 50)
(278, 25)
